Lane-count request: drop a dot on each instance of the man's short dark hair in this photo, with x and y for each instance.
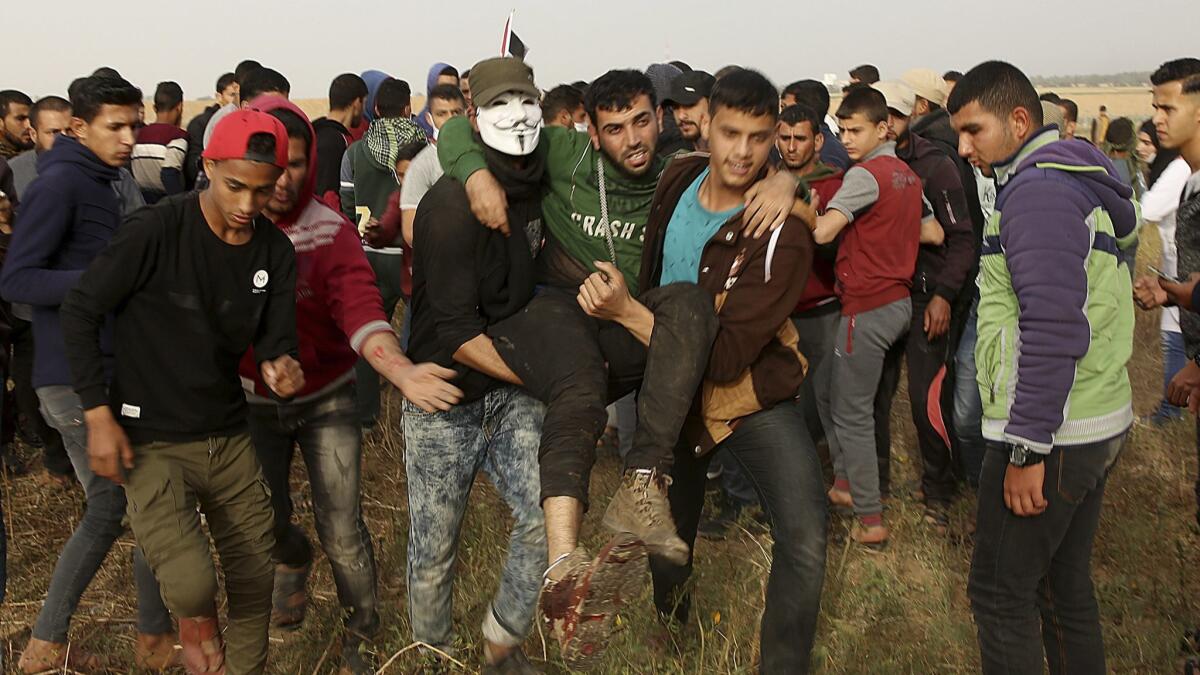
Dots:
(225, 80)
(245, 68)
(866, 73)
(263, 80)
(865, 101)
(167, 95)
(392, 98)
(466, 75)
(1175, 71)
(345, 90)
(105, 71)
(809, 92)
(409, 151)
(48, 104)
(449, 70)
(447, 92)
(952, 76)
(261, 144)
(1191, 86)
(96, 91)
(747, 91)
(616, 90)
(1050, 97)
(562, 97)
(295, 127)
(795, 114)
(999, 88)
(11, 96)
(1070, 109)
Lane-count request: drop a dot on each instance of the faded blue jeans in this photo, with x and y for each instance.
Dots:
(99, 528)
(498, 434)
(327, 431)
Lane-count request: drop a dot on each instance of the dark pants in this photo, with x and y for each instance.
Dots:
(818, 330)
(327, 431)
(54, 453)
(1031, 579)
(926, 380)
(388, 269)
(560, 354)
(776, 453)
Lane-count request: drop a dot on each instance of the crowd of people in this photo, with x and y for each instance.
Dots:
(745, 268)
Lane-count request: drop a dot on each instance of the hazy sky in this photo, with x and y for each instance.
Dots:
(192, 42)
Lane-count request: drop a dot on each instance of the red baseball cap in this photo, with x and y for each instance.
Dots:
(231, 138)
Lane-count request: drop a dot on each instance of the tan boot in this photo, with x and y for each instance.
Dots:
(41, 656)
(155, 652)
(203, 648)
(640, 507)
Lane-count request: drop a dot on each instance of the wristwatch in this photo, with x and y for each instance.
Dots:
(1021, 455)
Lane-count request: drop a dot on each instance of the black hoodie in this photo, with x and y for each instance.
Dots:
(935, 128)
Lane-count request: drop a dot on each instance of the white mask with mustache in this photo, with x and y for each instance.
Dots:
(511, 123)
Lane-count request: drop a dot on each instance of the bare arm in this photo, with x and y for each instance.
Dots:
(480, 354)
(932, 232)
(829, 225)
(604, 295)
(407, 218)
(427, 385)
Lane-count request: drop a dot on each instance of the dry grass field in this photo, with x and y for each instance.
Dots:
(902, 611)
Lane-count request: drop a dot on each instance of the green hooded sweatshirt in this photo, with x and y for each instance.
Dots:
(571, 199)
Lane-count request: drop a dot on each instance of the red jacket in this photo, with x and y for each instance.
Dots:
(337, 303)
(821, 287)
(878, 253)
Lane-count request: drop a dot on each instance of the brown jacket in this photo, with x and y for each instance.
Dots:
(755, 283)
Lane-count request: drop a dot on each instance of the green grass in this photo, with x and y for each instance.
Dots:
(901, 611)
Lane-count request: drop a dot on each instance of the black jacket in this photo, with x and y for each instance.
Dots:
(943, 269)
(195, 132)
(935, 128)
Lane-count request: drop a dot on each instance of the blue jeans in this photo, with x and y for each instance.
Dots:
(968, 405)
(498, 434)
(326, 430)
(777, 455)
(1174, 359)
(1031, 579)
(99, 528)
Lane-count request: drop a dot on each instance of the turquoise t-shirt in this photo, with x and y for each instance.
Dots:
(690, 228)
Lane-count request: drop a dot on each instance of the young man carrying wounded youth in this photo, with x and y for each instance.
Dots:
(745, 405)
(592, 181)
(940, 276)
(878, 212)
(467, 278)
(200, 275)
(66, 218)
(339, 316)
(1055, 336)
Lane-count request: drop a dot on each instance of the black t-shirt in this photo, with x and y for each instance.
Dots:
(467, 277)
(331, 145)
(186, 307)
